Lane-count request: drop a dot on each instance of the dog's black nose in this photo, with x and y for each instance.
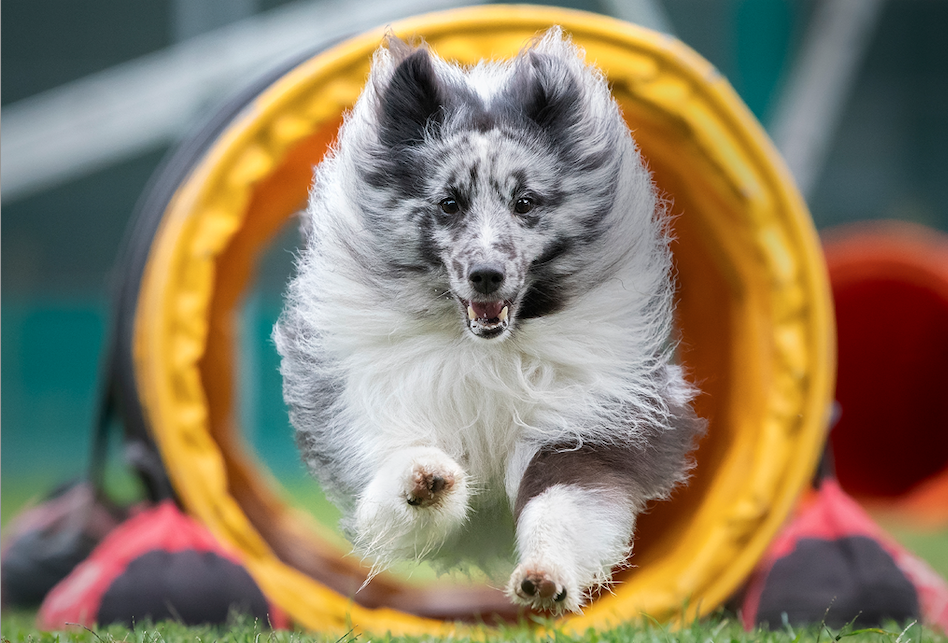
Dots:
(486, 278)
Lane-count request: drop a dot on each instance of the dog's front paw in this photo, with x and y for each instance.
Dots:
(430, 484)
(543, 588)
(417, 499)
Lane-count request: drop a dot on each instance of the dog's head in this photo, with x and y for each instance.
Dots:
(495, 185)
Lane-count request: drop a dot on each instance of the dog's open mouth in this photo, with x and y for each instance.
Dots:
(487, 318)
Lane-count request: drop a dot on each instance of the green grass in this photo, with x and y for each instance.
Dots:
(930, 544)
(18, 626)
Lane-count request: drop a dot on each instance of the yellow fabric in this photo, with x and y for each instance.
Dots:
(754, 308)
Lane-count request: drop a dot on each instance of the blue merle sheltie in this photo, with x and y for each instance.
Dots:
(478, 344)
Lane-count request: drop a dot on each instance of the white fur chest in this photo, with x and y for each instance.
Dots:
(473, 402)
(474, 399)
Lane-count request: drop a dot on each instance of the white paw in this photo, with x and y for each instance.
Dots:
(432, 483)
(544, 588)
(417, 499)
(569, 539)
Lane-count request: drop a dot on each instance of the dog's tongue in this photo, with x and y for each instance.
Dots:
(487, 309)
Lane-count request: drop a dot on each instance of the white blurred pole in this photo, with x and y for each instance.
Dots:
(190, 18)
(646, 13)
(820, 83)
(77, 128)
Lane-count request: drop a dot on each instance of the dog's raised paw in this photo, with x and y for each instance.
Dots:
(538, 588)
(429, 486)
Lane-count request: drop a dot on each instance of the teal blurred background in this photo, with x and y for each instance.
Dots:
(886, 157)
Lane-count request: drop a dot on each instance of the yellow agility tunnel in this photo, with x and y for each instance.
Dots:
(753, 307)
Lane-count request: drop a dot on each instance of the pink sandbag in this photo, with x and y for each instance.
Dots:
(158, 565)
(834, 562)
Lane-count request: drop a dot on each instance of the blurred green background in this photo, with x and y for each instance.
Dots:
(886, 157)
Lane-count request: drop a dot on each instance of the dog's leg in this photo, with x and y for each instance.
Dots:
(575, 512)
(416, 500)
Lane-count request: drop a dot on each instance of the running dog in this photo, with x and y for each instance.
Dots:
(478, 344)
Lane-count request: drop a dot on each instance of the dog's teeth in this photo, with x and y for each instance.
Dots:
(470, 313)
(503, 314)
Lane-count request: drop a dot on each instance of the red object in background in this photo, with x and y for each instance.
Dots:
(160, 564)
(833, 564)
(888, 449)
(890, 287)
(46, 542)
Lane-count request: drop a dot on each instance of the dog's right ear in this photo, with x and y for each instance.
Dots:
(411, 102)
(546, 91)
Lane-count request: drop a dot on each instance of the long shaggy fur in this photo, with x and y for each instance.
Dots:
(486, 279)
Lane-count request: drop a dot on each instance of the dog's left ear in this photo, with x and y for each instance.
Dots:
(412, 101)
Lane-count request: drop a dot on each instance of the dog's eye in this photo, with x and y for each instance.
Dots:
(523, 205)
(449, 206)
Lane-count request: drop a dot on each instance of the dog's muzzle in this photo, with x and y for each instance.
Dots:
(487, 318)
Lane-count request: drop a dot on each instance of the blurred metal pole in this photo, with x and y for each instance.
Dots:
(190, 18)
(820, 83)
(646, 13)
(75, 129)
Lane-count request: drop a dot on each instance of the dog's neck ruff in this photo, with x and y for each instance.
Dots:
(549, 380)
